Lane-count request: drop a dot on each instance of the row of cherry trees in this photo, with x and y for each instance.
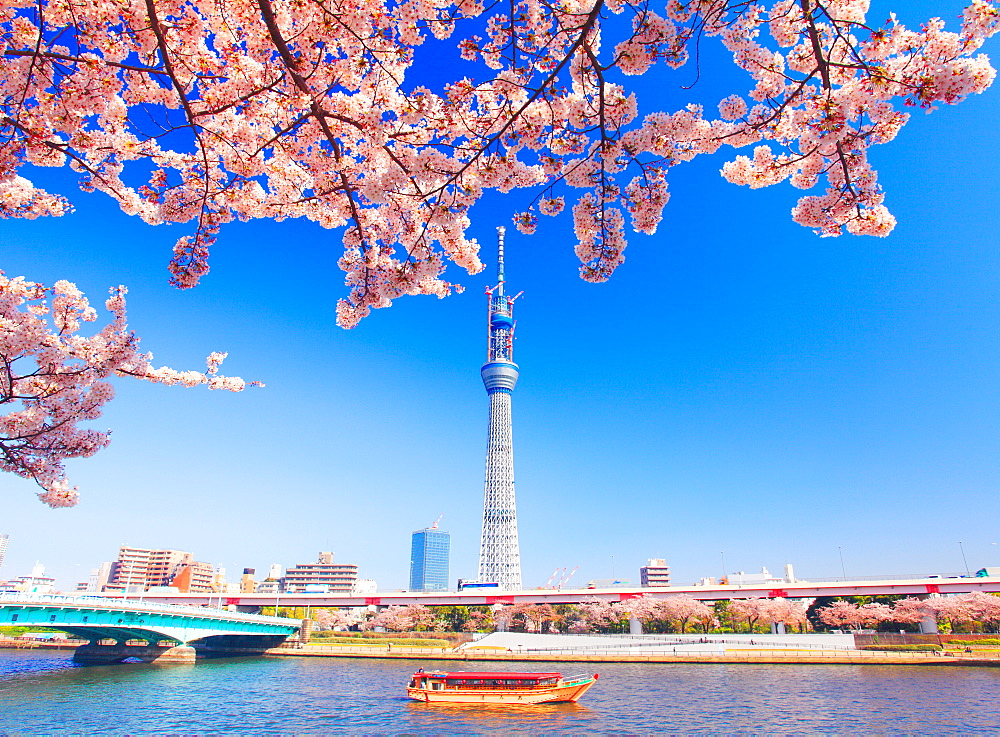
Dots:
(960, 611)
(672, 614)
(683, 613)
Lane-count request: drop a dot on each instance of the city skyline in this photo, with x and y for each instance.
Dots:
(740, 389)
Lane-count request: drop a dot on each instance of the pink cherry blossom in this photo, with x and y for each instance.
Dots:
(209, 112)
(967, 609)
(750, 610)
(328, 619)
(402, 619)
(54, 379)
(909, 611)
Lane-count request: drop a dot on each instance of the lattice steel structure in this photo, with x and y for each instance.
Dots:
(499, 553)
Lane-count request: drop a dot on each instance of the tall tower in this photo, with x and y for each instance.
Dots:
(499, 554)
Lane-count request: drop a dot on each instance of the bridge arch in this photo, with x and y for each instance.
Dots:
(172, 633)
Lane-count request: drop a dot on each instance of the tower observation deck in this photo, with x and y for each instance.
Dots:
(499, 554)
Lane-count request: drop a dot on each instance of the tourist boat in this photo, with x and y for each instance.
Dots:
(470, 687)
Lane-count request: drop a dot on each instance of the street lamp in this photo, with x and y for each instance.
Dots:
(723, 554)
(962, 548)
(843, 571)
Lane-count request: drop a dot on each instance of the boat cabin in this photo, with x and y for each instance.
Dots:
(460, 680)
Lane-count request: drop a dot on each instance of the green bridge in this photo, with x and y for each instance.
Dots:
(121, 629)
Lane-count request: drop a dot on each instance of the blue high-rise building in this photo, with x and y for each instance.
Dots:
(429, 559)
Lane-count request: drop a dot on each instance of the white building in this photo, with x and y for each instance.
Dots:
(36, 583)
(364, 587)
(740, 578)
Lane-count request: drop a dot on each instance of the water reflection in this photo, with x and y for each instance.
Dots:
(547, 717)
(42, 692)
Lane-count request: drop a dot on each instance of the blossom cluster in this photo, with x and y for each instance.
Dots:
(410, 618)
(236, 110)
(52, 378)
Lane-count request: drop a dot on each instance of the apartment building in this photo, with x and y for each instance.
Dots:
(140, 568)
(323, 575)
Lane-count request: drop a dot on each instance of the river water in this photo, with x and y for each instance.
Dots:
(45, 692)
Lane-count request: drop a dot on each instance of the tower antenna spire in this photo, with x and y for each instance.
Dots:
(501, 232)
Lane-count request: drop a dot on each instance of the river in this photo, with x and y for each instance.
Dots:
(42, 691)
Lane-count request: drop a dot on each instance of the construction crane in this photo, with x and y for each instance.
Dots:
(435, 525)
(565, 579)
(552, 578)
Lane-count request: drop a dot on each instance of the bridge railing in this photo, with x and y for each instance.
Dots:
(102, 602)
(884, 577)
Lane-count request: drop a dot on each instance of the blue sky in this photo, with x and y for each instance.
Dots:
(740, 386)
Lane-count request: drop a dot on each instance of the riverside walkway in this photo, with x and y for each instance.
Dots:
(120, 629)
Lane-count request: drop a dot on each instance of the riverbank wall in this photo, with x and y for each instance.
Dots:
(759, 657)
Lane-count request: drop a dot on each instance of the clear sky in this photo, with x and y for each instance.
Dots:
(741, 388)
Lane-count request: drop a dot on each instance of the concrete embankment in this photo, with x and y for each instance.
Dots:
(759, 657)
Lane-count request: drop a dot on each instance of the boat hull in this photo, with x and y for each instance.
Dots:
(547, 695)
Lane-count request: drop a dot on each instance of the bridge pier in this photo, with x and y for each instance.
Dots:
(929, 625)
(94, 654)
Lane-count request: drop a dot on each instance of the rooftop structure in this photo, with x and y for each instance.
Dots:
(499, 552)
(741, 578)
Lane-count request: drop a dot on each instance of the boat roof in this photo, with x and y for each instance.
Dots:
(488, 674)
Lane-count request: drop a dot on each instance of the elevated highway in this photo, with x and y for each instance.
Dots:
(923, 586)
(118, 629)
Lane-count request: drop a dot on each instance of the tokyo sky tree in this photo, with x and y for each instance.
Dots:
(499, 554)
